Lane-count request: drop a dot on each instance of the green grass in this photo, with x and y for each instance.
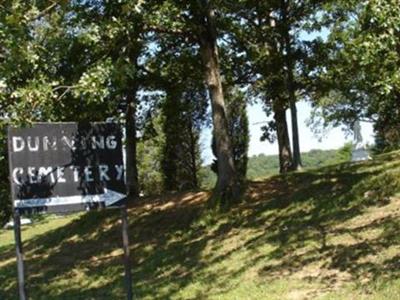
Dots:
(330, 233)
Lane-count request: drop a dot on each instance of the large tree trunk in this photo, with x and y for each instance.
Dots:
(285, 155)
(132, 183)
(297, 164)
(193, 157)
(227, 186)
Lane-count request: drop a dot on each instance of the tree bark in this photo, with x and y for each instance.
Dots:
(297, 163)
(193, 162)
(132, 183)
(227, 186)
(285, 154)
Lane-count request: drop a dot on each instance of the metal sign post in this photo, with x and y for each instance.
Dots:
(127, 260)
(20, 256)
(66, 167)
(17, 237)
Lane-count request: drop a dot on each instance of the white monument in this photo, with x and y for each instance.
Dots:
(359, 152)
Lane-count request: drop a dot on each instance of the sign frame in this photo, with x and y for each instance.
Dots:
(66, 167)
(94, 198)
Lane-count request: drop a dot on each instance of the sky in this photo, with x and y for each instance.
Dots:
(333, 139)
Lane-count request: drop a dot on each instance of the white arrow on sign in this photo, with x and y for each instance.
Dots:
(109, 197)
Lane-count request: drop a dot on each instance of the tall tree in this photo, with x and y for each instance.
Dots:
(177, 72)
(196, 22)
(269, 34)
(294, 19)
(256, 36)
(227, 186)
(29, 90)
(360, 76)
(238, 131)
(183, 114)
(116, 34)
(97, 52)
(150, 148)
(287, 38)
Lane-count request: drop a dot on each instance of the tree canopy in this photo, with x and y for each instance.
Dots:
(166, 69)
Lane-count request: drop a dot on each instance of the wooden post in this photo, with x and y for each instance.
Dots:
(127, 261)
(17, 229)
(20, 256)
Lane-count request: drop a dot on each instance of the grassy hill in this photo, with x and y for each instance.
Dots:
(328, 233)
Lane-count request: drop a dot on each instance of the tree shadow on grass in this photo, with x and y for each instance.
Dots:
(173, 244)
(305, 236)
(292, 213)
(85, 256)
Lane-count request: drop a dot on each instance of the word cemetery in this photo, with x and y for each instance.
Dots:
(66, 166)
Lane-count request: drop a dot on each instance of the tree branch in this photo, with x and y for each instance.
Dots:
(187, 34)
(44, 11)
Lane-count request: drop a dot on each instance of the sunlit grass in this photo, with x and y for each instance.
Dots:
(330, 233)
(38, 227)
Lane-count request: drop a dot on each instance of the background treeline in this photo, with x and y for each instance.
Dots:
(261, 166)
(166, 69)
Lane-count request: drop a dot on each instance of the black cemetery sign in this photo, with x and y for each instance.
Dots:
(63, 167)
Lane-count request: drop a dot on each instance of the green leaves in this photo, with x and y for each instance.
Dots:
(94, 83)
(363, 66)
